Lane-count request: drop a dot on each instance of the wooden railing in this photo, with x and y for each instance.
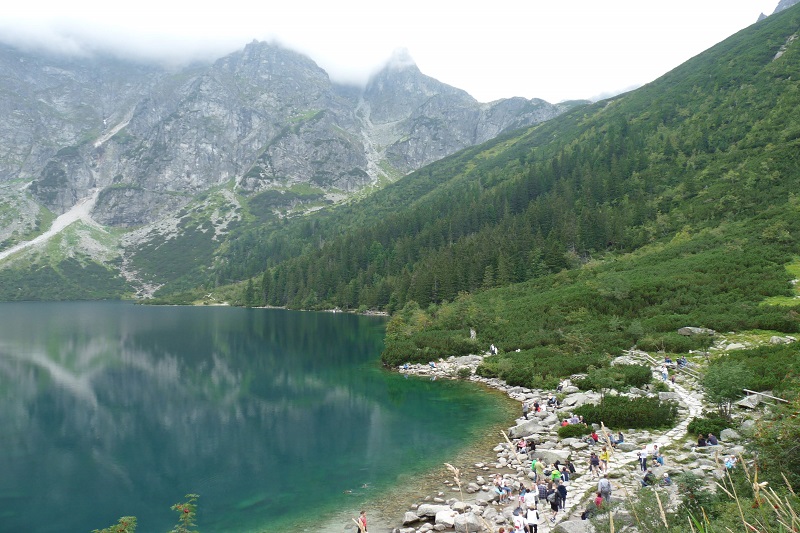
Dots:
(749, 392)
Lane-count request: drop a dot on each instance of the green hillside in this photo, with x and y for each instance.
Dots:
(713, 143)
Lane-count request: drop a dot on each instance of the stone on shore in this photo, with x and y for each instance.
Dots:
(427, 509)
(446, 518)
(410, 518)
(467, 522)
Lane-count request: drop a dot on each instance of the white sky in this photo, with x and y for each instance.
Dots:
(550, 49)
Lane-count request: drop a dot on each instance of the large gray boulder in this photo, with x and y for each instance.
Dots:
(728, 435)
(551, 456)
(410, 518)
(749, 402)
(468, 522)
(446, 518)
(529, 427)
(429, 509)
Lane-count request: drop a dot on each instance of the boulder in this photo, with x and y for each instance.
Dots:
(729, 434)
(467, 522)
(668, 396)
(627, 447)
(458, 506)
(489, 513)
(446, 518)
(551, 456)
(574, 526)
(749, 402)
(468, 360)
(575, 399)
(427, 509)
(689, 331)
(748, 425)
(529, 427)
(781, 340)
(410, 518)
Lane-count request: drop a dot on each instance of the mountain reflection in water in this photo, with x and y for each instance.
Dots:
(112, 409)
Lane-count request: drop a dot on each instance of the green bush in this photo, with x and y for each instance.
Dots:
(633, 413)
(621, 377)
(464, 372)
(573, 431)
(711, 422)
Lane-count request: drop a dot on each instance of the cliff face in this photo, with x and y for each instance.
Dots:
(264, 118)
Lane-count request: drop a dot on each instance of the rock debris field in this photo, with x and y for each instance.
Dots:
(475, 505)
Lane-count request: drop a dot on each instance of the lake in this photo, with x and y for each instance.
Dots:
(274, 418)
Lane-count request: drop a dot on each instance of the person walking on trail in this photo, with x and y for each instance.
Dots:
(532, 498)
(561, 489)
(605, 455)
(362, 522)
(642, 455)
(525, 408)
(604, 488)
(664, 373)
(552, 498)
(594, 465)
(533, 519)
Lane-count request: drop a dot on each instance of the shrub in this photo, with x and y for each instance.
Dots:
(621, 411)
(464, 372)
(573, 431)
(619, 377)
(711, 422)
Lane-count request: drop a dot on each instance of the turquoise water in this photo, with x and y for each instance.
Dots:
(272, 417)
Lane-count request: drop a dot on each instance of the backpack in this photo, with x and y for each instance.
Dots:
(605, 486)
(551, 497)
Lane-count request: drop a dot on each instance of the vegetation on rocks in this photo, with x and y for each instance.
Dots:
(626, 412)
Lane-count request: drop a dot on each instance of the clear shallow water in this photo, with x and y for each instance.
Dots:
(272, 417)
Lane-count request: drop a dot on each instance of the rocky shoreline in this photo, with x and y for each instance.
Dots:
(469, 502)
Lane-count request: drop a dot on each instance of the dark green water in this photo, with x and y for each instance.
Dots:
(272, 417)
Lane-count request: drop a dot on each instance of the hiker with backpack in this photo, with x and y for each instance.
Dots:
(604, 488)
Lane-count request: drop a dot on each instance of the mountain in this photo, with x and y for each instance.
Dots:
(784, 4)
(707, 146)
(158, 153)
(264, 118)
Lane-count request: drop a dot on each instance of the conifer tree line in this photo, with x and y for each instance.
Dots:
(715, 140)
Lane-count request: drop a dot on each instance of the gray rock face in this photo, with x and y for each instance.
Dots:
(264, 118)
(784, 4)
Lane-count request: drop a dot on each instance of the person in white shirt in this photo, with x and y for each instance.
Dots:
(533, 518)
